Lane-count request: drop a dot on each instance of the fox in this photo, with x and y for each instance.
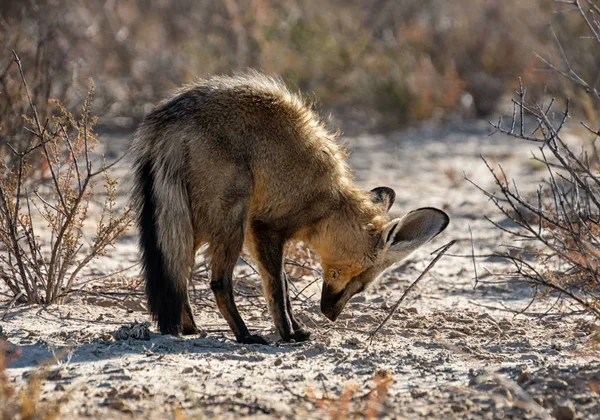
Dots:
(238, 161)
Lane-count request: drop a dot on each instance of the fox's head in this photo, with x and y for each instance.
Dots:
(395, 241)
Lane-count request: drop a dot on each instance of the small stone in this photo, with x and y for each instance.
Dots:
(565, 411)
(412, 310)
(187, 370)
(59, 387)
(353, 341)
(417, 393)
(581, 399)
(117, 404)
(486, 386)
(505, 393)
(557, 384)
(456, 334)
(132, 394)
(524, 377)
(278, 361)
(119, 378)
(112, 369)
(55, 375)
(458, 408)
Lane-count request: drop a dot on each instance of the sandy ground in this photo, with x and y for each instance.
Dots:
(453, 350)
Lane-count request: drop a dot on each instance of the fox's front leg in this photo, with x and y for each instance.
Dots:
(224, 253)
(268, 251)
(300, 333)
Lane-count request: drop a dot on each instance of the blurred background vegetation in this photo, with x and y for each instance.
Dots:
(376, 64)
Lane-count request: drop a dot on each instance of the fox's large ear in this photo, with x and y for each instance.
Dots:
(413, 230)
(384, 195)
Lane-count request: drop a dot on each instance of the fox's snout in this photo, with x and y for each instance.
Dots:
(330, 302)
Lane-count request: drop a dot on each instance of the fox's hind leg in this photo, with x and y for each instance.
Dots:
(268, 251)
(188, 325)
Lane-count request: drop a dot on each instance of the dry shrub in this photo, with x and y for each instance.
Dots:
(36, 30)
(55, 195)
(574, 53)
(349, 404)
(560, 223)
(24, 402)
(380, 62)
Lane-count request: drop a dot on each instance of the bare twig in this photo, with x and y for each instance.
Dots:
(473, 256)
(409, 288)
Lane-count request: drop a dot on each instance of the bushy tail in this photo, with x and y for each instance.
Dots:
(166, 236)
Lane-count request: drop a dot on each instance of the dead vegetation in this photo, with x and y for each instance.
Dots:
(353, 402)
(556, 230)
(382, 63)
(48, 179)
(24, 401)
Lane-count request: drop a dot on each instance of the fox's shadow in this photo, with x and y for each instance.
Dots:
(39, 353)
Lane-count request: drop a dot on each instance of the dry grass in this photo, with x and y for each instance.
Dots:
(352, 403)
(24, 402)
(380, 63)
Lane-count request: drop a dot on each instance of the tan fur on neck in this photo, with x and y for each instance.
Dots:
(346, 238)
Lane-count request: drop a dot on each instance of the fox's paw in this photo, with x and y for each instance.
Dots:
(301, 335)
(254, 339)
(193, 331)
(298, 336)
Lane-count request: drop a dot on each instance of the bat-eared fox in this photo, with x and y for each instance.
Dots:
(242, 160)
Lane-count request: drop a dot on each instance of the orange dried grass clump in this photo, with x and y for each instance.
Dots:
(23, 402)
(370, 405)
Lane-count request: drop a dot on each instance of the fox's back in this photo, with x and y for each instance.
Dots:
(233, 135)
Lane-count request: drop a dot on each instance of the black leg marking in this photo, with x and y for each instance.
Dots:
(224, 255)
(269, 254)
(300, 333)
